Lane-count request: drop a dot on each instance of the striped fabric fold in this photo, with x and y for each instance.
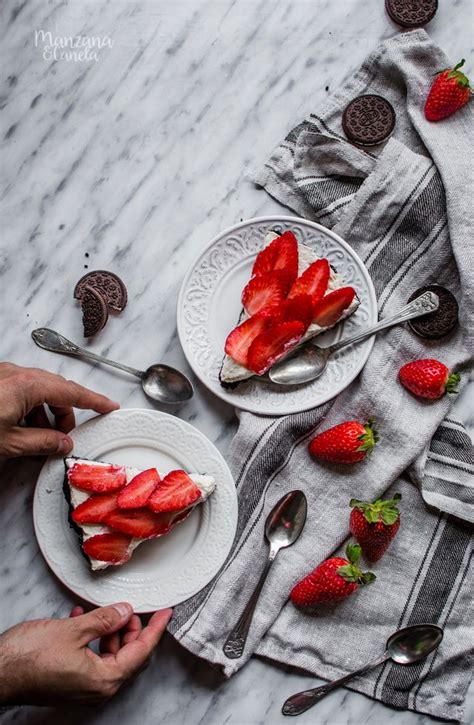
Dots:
(403, 208)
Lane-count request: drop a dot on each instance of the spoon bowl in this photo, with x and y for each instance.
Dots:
(414, 643)
(166, 384)
(286, 520)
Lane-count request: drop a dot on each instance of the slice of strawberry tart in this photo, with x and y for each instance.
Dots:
(114, 509)
(292, 296)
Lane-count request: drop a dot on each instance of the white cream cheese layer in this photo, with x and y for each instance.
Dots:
(233, 372)
(206, 484)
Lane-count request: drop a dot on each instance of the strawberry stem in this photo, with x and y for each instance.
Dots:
(452, 383)
(352, 572)
(460, 78)
(369, 438)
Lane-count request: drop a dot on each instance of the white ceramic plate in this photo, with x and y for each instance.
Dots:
(209, 308)
(163, 572)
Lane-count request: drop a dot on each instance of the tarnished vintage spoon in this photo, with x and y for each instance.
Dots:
(283, 526)
(309, 362)
(405, 647)
(160, 382)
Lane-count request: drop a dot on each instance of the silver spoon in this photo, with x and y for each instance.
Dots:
(160, 382)
(405, 647)
(309, 362)
(283, 526)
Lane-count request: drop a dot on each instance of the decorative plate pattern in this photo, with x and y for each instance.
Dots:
(162, 572)
(209, 307)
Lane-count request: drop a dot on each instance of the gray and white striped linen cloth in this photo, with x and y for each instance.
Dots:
(404, 208)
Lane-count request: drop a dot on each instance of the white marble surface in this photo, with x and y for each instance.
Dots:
(138, 159)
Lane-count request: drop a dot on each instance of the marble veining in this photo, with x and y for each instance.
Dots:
(132, 162)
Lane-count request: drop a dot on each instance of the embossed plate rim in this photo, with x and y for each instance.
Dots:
(270, 401)
(210, 546)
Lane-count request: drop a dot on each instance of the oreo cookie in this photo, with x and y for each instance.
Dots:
(94, 311)
(442, 321)
(368, 120)
(108, 284)
(411, 13)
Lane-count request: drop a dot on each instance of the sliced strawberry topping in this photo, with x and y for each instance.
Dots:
(239, 340)
(287, 255)
(299, 308)
(112, 547)
(140, 523)
(99, 479)
(265, 290)
(269, 347)
(266, 259)
(313, 281)
(176, 491)
(95, 509)
(328, 311)
(138, 491)
(282, 253)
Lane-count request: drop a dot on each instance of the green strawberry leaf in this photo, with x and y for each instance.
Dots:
(384, 510)
(372, 515)
(368, 577)
(389, 516)
(457, 75)
(369, 438)
(353, 552)
(348, 573)
(452, 383)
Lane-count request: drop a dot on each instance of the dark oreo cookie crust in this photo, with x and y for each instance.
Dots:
(94, 311)
(442, 321)
(411, 13)
(108, 284)
(368, 120)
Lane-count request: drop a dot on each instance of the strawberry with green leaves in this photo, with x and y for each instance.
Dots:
(333, 580)
(428, 378)
(375, 524)
(450, 92)
(347, 442)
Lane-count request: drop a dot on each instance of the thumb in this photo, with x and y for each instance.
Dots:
(101, 621)
(37, 442)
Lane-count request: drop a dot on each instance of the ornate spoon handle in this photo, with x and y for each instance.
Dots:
(54, 342)
(427, 302)
(302, 701)
(235, 642)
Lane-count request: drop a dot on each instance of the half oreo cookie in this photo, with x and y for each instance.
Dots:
(108, 284)
(94, 311)
(442, 321)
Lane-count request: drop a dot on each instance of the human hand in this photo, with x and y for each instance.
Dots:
(23, 394)
(48, 660)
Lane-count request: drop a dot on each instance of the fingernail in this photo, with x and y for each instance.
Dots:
(66, 444)
(123, 609)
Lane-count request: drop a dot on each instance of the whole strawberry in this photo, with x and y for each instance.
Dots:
(331, 581)
(428, 378)
(374, 525)
(347, 442)
(449, 93)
